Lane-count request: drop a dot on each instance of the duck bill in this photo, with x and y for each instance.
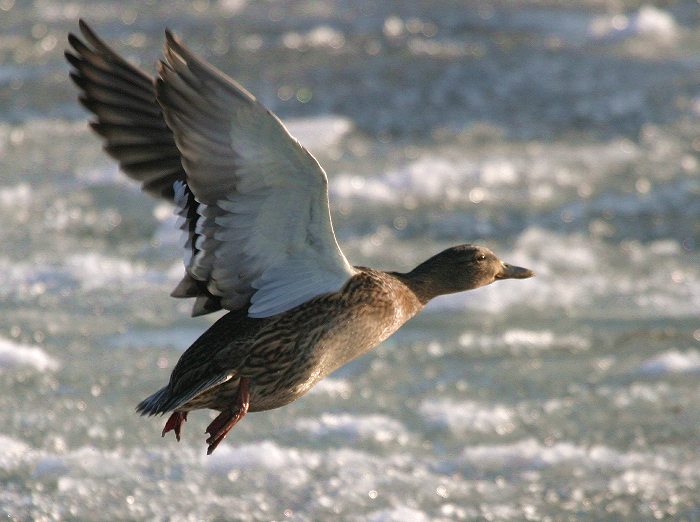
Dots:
(514, 272)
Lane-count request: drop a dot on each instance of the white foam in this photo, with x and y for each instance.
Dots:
(165, 212)
(97, 463)
(517, 176)
(104, 175)
(469, 416)
(670, 362)
(443, 48)
(93, 271)
(44, 130)
(246, 474)
(319, 36)
(21, 278)
(429, 179)
(531, 454)
(519, 340)
(50, 466)
(656, 22)
(14, 355)
(180, 338)
(379, 428)
(72, 465)
(321, 132)
(266, 455)
(333, 386)
(649, 21)
(17, 196)
(398, 514)
(350, 186)
(637, 392)
(325, 36)
(265, 460)
(14, 452)
(168, 234)
(646, 483)
(88, 271)
(231, 6)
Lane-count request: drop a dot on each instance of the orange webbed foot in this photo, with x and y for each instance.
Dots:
(227, 419)
(174, 423)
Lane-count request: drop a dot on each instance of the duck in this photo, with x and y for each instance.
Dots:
(252, 204)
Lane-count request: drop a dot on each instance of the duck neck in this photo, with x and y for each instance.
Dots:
(420, 283)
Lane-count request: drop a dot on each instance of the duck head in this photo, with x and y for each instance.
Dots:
(460, 268)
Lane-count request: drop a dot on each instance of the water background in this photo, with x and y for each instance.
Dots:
(565, 136)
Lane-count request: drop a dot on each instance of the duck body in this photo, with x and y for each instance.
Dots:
(284, 356)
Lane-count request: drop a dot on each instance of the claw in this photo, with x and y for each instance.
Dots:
(175, 422)
(227, 419)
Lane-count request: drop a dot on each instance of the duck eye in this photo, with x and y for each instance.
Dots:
(481, 257)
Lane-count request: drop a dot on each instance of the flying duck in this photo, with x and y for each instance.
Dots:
(253, 207)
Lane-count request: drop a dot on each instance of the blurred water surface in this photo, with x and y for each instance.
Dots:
(563, 135)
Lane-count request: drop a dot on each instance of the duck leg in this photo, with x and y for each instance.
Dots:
(227, 419)
(175, 422)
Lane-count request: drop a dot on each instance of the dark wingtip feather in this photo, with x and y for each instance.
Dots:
(74, 60)
(170, 37)
(89, 103)
(87, 31)
(74, 41)
(78, 80)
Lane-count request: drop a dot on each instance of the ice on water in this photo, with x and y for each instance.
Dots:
(14, 355)
(563, 137)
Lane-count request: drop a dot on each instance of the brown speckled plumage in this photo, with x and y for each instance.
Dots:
(285, 355)
(253, 205)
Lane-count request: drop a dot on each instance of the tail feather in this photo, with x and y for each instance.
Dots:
(156, 403)
(164, 401)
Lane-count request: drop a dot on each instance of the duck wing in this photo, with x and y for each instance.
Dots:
(129, 119)
(253, 202)
(265, 233)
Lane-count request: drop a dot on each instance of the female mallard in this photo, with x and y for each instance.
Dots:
(259, 242)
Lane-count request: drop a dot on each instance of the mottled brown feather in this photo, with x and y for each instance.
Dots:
(285, 355)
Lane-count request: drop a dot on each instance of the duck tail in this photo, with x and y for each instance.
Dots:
(156, 403)
(164, 401)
